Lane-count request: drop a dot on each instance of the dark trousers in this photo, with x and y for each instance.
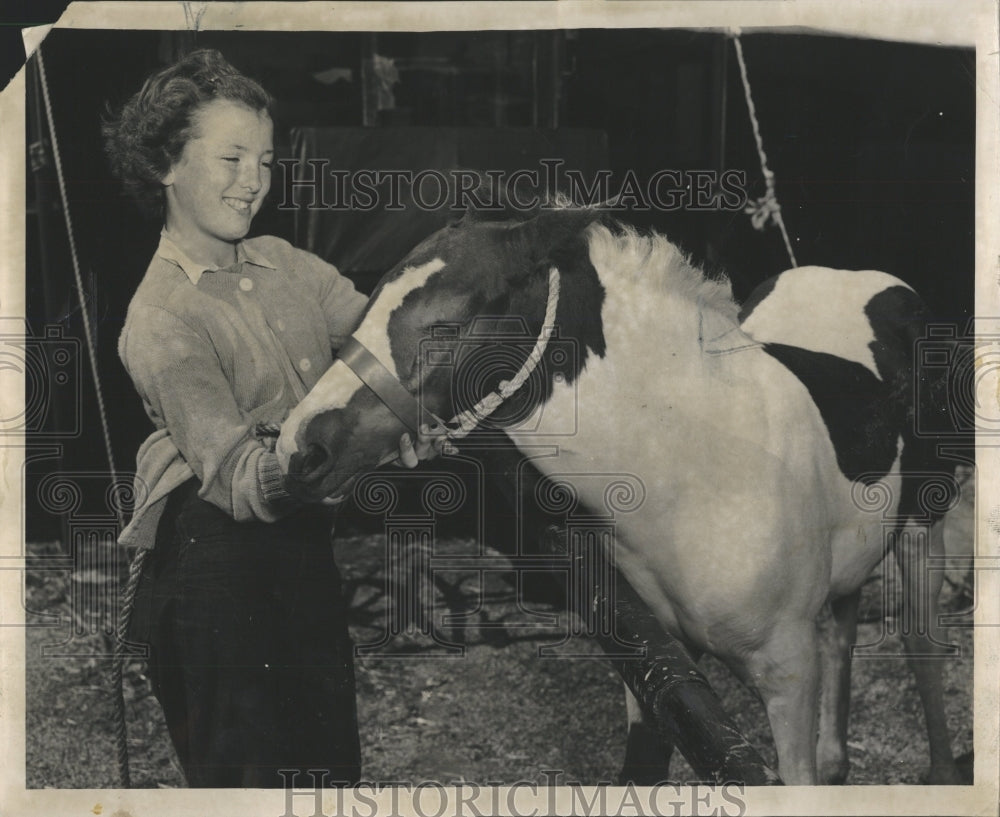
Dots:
(250, 656)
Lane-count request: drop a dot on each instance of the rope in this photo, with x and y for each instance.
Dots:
(766, 208)
(87, 331)
(118, 666)
(470, 418)
(135, 569)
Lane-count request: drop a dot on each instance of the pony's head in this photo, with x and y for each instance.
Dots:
(431, 323)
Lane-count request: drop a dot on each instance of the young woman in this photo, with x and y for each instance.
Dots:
(240, 601)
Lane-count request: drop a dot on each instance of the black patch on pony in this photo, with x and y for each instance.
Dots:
(579, 330)
(862, 422)
(898, 318)
(865, 415)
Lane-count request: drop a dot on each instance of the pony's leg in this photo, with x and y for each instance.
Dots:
(922, 587)
(838, 631)
(785, 672)
(647, 755)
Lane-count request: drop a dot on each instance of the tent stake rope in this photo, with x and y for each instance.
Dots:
(87, 330)
(135, 569)
(766, 208)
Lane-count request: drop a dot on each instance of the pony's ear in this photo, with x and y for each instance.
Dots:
(551, 230)
(490, 201)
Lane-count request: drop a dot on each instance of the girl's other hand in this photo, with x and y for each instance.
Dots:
(430, 442)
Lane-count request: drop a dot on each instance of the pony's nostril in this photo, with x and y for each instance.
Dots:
(315, 456)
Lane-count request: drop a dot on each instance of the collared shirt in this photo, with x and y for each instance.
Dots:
(169, 251)
(215, 351)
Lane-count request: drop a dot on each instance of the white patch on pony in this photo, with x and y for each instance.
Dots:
(332, 391)
(822, 310)
(373, 331)
(339, 384)
(650, 329)
(652, 266)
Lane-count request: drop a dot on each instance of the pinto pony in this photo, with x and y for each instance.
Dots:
(760, 446)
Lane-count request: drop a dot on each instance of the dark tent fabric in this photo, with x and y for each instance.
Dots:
(365, 242)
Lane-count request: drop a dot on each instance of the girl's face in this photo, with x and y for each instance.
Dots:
(219, 183)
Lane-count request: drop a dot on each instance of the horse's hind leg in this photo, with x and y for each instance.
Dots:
(785, 672)
(924, 642)
(838, 624)
(647, 755)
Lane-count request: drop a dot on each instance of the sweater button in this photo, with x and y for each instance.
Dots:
(305, 365)
(246, 284)
(281, 326)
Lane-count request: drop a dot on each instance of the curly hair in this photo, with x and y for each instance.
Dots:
(146, 137)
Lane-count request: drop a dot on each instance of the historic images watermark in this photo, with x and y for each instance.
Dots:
(314, 184)
(308, 793)
(51, 364)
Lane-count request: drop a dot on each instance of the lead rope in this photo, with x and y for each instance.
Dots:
(765, 208)
(470, 418)
(135, 569)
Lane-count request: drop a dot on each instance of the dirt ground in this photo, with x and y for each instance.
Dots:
(497, 713)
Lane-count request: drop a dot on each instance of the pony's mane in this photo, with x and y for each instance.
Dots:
(654, 261)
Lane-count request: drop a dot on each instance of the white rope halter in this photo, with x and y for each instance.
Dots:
(470, 418)
(463, 423)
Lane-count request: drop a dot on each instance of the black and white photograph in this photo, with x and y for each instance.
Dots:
(440, 408)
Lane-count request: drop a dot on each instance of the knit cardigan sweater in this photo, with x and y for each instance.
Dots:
(215, 351)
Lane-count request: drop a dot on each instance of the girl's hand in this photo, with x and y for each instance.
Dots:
(430, 442)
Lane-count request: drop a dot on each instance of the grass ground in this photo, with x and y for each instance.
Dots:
(498, 713)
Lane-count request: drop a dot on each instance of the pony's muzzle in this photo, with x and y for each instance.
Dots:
(316, 472)
(308, 470)
(315, 457)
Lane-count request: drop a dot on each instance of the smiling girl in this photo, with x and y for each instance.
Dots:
(240, 600)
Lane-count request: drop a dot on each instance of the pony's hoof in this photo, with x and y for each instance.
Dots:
(958, 773)
(831, 763)
(832, 772)
(642, 776)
